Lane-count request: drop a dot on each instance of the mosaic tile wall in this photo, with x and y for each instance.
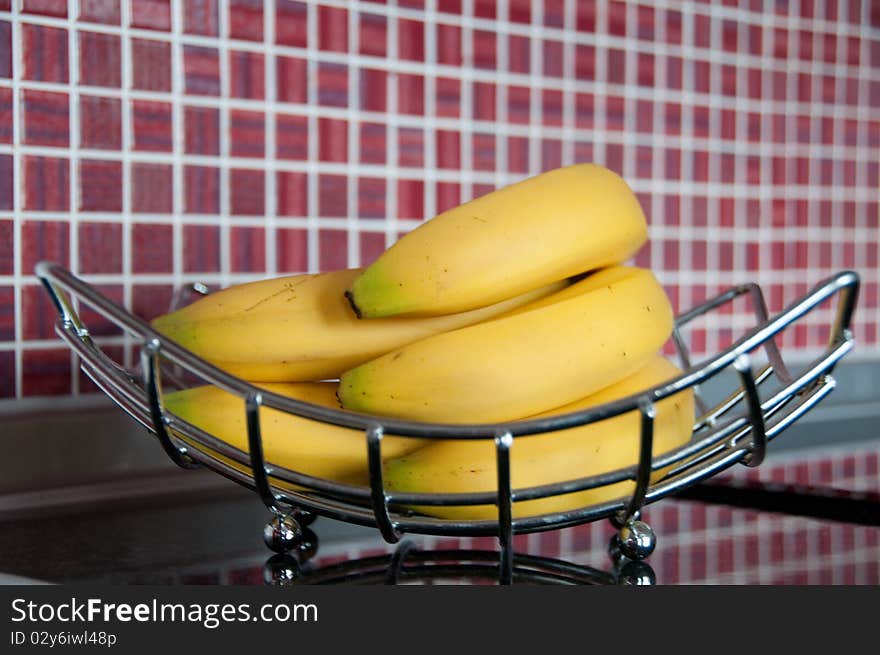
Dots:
(146, 144)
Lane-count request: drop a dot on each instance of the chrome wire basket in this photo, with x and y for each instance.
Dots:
(765, 398)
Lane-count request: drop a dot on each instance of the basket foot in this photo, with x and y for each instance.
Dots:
(633, 542)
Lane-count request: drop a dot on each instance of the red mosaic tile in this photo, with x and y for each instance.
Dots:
(247, 131)
(332, 249)
(291, 137)
(151, 15)
(411, 94)
(551, 107)
(411, 40)
(333, 29)
(7, 257)
(100, 247)
(372, 244)
(46, 183)
(152, 248)
(292, 253)
(373, 34)
(152, 188)
(7, 182)
(332, 140)
(45, 7)
(449, 45)
(332, 196)
(448, 195)
(292, 79)
(292, 193)
(518, 154)
(483, 149)
(449, 6)
(551, 154)
(201, 17)
(520, 11)
(201, 249)
(247, 75)
(519, 54)
(100, 122)
(247, 192)
(373, 143)
(151, 300)
(410, 199)
(151, 65)
(44, 240)
(518, 104)
(201, 70)
(483, 101)
(448, 149)
(554, 13)
(38, 316)
(485, 46)
(246, 19)
(7, 314)
(201, 186)
(46, 118)
(371, 198)
(100, 59)
(100, 185)
(6, 115)
(107, 12)
(410, 147)
(45, 51)
(247, 249)
(46, 372)
(151, 126)
(201, 130)
(373, 90)
(333, 85)
(291, 23)
(552, 59)
(448, 97)
(7, 372)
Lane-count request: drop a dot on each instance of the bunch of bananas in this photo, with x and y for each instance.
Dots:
(516, 305)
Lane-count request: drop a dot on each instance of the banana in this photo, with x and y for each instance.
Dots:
(468, 466)
(311, 447)
(300, 327)
(558, 349)
(549, 227)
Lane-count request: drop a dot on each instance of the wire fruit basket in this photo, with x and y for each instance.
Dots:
(765, 399)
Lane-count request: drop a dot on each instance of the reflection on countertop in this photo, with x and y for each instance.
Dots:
(212, 535)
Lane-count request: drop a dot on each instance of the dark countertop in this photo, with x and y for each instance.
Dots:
(204, 529)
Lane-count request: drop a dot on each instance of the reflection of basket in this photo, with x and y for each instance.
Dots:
(735, 430)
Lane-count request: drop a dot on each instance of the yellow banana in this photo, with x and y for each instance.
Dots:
(299, 444)
(562, 348)
(300, 327)
(549, 227)
(467, 466)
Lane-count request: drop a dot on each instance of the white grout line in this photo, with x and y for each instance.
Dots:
(312, 158)
(536, 100)
(223, 50)
(539, 31)
(536, 131)
(654, 140)
(18, 201)
(353, 144)
(466, 124)
(127, 145)
(178, 144)
(74, 179)
(270, 94)
(430, 122)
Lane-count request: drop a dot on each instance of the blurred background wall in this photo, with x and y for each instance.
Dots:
(149, 144)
